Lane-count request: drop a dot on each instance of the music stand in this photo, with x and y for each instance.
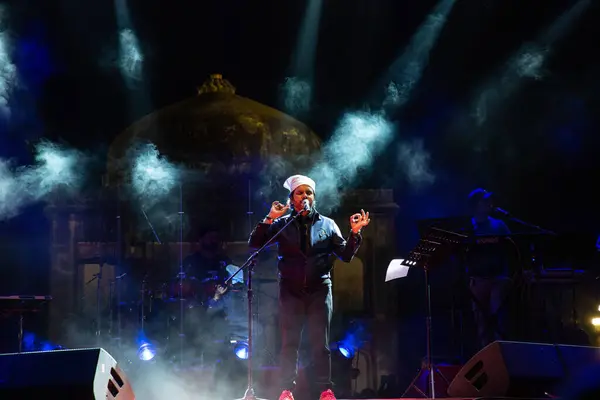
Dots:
(427, 252)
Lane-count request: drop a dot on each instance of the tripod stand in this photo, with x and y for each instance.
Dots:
(433, 243)
(249, 265)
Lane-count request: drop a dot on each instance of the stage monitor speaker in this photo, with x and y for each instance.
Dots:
(84, 374)
(518, 369)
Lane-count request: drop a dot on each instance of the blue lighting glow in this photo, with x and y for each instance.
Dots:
(33, 343)
(146, 352)
(354, 338)
(241, 350)
(346, 350)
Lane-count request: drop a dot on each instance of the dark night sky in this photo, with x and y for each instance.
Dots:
(542, 156)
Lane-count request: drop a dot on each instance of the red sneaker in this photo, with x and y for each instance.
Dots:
(327, 395)
(287, 395)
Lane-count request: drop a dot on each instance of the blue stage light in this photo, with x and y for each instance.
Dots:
(241, 350)
(346, 350)
(146, 352)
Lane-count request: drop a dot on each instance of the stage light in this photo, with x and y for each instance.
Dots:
(598, 308)
(146, 352)
(596, 321)
(241, 350)
(346, 350)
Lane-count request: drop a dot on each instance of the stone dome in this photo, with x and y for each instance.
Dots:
(218, 132)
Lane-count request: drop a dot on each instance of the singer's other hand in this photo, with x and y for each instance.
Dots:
(278, 209)
(359, 220)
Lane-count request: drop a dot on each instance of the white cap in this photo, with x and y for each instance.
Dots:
(294, 181)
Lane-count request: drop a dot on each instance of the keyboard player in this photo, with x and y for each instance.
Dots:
(487, 268)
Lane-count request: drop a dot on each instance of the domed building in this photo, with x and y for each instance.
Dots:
(218, 132)
(224, 146)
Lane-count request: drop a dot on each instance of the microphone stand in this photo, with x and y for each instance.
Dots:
(249, 265)
(508, 216)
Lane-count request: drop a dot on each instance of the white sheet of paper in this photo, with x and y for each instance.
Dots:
(396, 270)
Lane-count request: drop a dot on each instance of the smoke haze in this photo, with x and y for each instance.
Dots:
(358, 139)
(56, 169)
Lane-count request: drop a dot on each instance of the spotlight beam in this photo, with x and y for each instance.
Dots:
(405, 72)
(303, 64)
(296, 90)
(8, 70)
(527, 62)
(357, 140)
(56, 167)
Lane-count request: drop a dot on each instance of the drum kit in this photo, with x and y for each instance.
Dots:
(174, 314)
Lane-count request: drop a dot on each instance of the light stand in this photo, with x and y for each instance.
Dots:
(118, 267)
(143, 303)
(114, 291)
(144, 281)
(111, 302)
(181, 276)
(249, 265)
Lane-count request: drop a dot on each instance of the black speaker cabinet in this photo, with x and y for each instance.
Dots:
(518, 369)
(84, 374)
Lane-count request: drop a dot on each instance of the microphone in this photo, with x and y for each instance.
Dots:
(501, 211)
(306, 205)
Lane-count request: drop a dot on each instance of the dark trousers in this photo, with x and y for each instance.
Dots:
(489, 296)
(311, 308)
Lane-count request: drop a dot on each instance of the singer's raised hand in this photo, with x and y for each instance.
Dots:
(278, 209)
(359, 220)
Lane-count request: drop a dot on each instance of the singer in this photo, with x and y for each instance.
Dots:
(305, 262)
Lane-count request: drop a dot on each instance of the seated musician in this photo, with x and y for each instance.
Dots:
(208, 263)
(487, 266)
(208, 269)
